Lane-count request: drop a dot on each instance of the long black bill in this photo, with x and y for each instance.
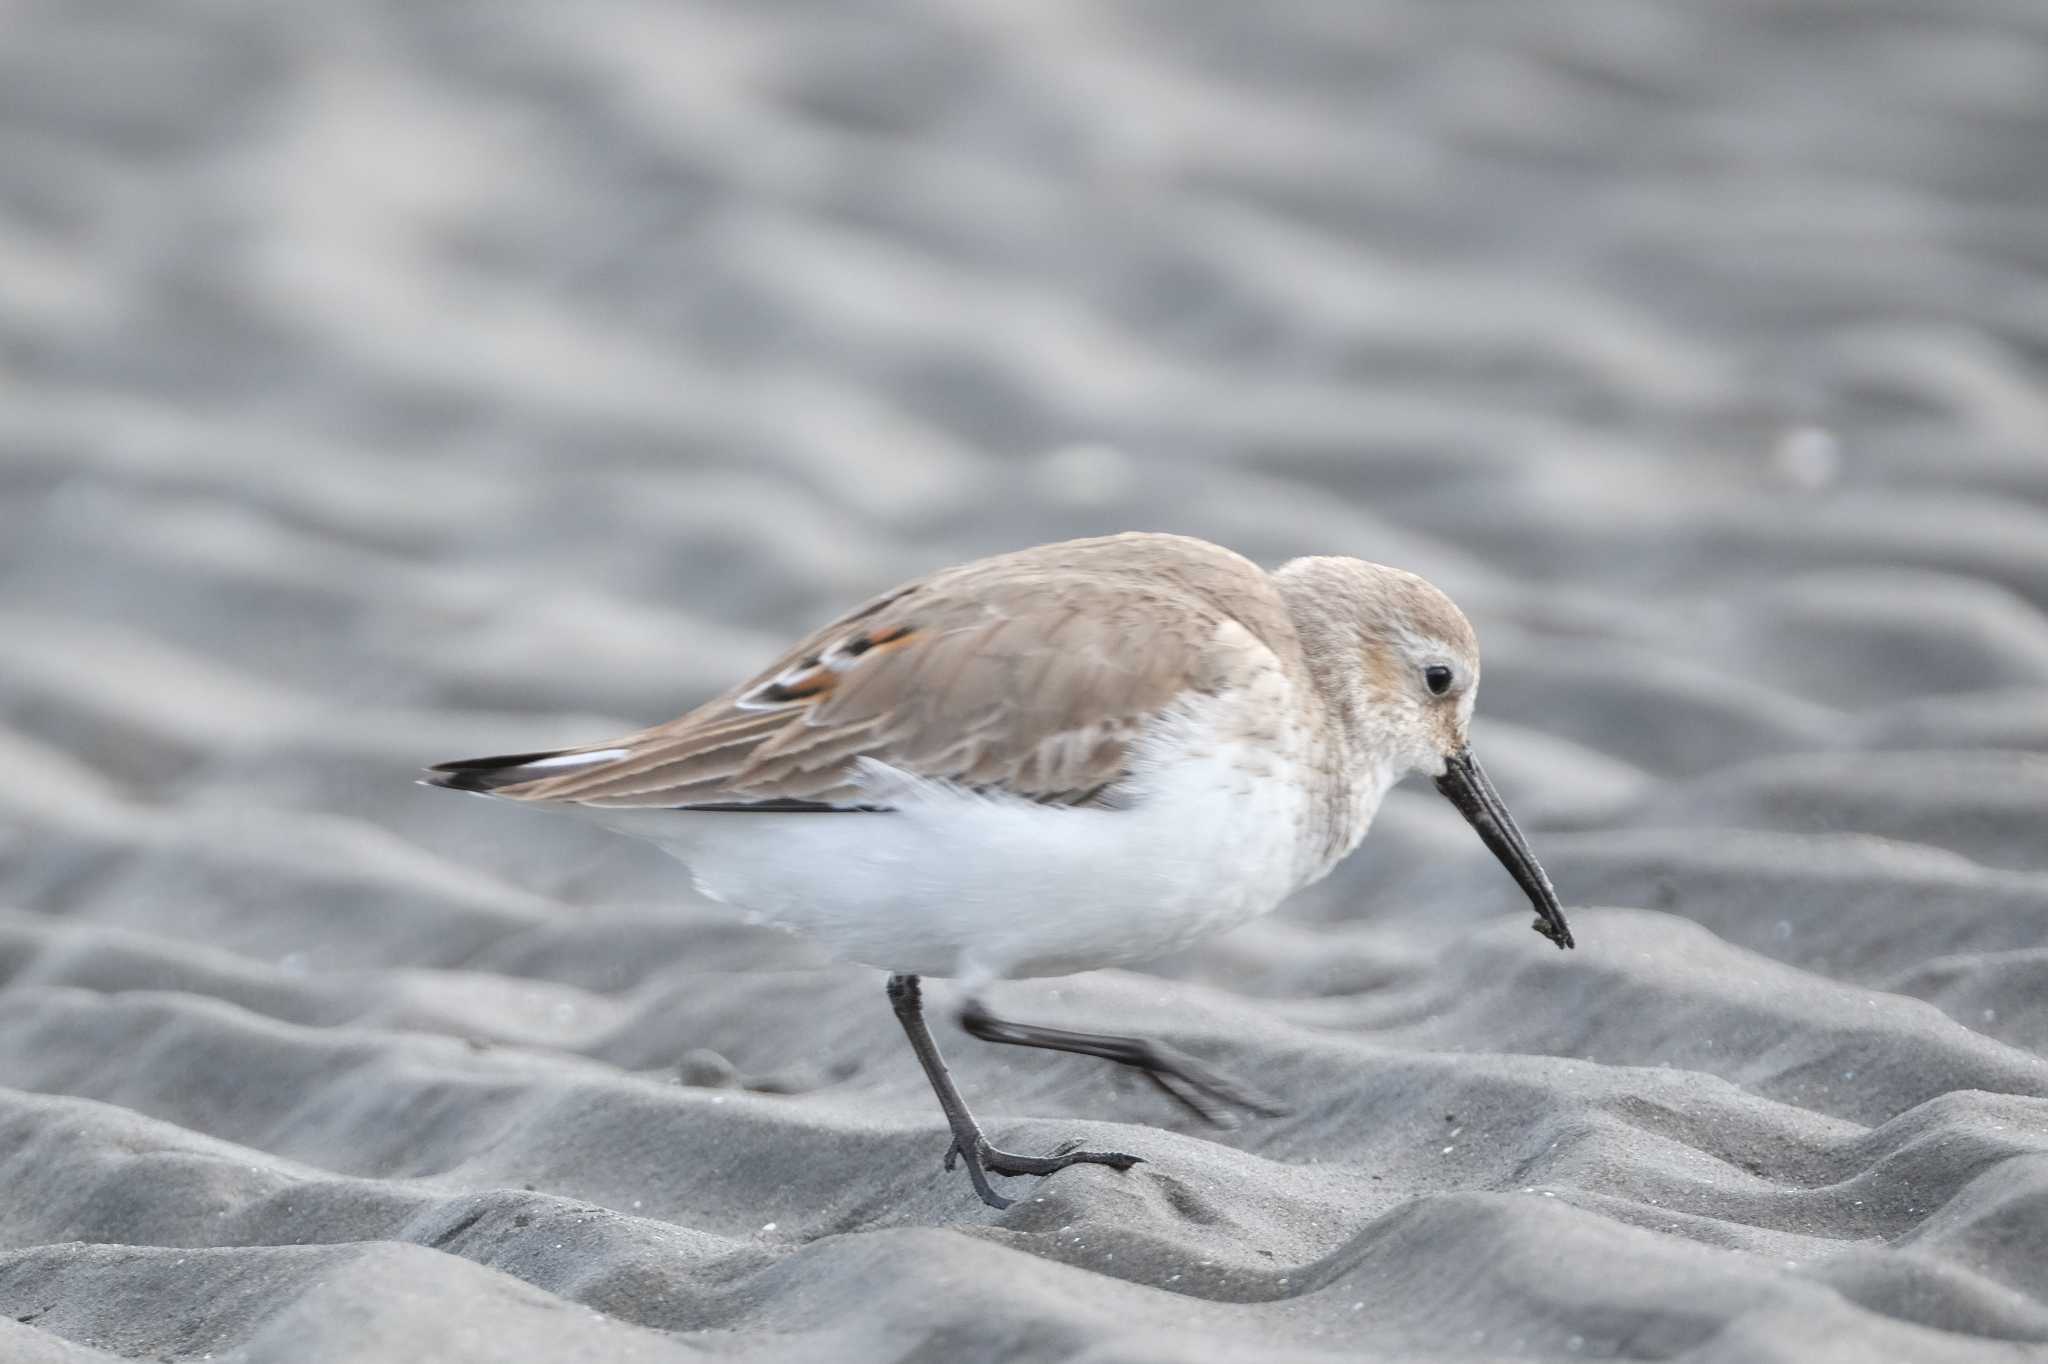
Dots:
(1465, 785)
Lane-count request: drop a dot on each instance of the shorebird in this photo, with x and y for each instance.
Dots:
(1069, 757)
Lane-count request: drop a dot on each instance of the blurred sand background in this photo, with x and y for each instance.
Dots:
(383, 383)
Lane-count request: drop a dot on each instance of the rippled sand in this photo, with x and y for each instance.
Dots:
(386, 383)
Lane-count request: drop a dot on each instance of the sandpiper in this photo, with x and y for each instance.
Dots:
(1069, 757)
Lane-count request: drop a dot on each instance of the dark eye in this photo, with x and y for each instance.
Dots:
(1438, 677)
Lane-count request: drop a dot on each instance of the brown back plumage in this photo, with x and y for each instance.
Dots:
(1029, 673)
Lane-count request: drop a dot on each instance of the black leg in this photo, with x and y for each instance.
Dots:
(968, 1143)
(1208, 1094)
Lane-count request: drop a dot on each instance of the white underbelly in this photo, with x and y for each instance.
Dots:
(953, 884)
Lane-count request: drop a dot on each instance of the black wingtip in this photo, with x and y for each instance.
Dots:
(453, 781)
(484, 774)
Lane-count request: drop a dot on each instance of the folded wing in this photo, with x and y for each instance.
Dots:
(1032, 675)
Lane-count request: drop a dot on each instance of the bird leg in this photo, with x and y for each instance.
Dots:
(969, 1145)
(1209, 1095)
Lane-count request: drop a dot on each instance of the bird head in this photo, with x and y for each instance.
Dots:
(1404, 664)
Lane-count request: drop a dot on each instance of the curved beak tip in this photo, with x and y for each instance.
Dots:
(1464, 783)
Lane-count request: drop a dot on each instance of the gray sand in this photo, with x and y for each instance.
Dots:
(388, 383)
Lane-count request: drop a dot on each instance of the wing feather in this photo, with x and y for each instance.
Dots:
(1032, 674)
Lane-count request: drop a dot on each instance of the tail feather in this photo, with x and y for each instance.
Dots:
(489, 774)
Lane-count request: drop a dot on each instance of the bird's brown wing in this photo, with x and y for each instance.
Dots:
(1030, 674)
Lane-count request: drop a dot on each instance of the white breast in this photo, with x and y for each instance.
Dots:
(1218, 824)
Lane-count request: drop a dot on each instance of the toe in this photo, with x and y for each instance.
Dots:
(1115, 1160)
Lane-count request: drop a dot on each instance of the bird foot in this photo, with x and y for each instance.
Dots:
(986, 1159)
(1209, 1094)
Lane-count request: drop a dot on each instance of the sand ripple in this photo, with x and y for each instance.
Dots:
(380, 383)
